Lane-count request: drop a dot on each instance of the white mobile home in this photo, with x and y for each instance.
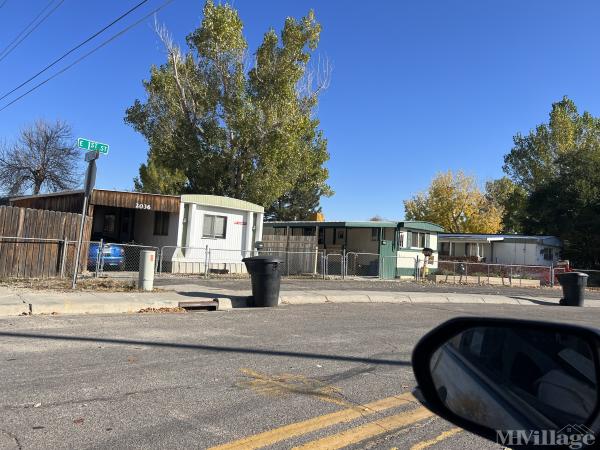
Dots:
(219, 230)
(500, 248)
(180, 227)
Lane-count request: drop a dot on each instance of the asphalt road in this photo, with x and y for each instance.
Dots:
(297, 284)
(318, 376)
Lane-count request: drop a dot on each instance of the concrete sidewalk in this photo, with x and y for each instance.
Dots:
(15, 301)
(302, 297)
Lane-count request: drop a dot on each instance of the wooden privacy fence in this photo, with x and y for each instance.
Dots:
(278, 243)
(299, 254)
(34, 243)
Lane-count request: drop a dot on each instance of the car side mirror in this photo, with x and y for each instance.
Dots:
(515, 382)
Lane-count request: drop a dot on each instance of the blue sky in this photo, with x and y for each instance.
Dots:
(417, 86)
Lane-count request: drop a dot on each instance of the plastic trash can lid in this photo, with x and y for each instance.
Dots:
(571, 275)
(266, 259)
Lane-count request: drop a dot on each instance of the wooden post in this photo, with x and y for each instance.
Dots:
(316, 248)
(63, 257)
(206, 261)
(287, 249)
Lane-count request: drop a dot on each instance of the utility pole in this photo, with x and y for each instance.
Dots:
(90, 180)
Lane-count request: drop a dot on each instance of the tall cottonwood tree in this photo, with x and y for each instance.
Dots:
(215, 127)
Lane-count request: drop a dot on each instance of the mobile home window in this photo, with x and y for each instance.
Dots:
(375, 234)
(445, 248)
(548, 254)
(214, 227)
(161, 223)
(110, 221)
(399, 239)
(419, 240)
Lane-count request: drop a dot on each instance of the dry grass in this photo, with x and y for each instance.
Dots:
(163, 310)
(55, 284)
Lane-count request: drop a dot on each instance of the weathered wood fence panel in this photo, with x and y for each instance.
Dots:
(32, 241)
(299, 253)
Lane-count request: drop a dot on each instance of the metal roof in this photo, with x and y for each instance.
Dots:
(472, 237)
(221, 202)
(421, 225)
(81, 191)
(415, 225)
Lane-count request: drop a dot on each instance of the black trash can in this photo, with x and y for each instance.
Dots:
(266, 279)
(573, 286)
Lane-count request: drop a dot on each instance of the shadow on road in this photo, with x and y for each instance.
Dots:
(237, 301)
(537, 302)
(211, 348)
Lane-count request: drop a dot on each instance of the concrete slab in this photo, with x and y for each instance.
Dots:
(499, 300)
(428, 298)
(348, 298)
(97, 302)
(13, 309)
(464, 298)
(382, 297)
(299, 299)
(224, 304)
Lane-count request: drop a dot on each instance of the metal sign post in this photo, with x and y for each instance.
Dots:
(90, 180)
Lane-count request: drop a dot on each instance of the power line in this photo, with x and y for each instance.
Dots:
(73, 49)
(112, 38)
(28, 25)
(32, 30)
(3, 3)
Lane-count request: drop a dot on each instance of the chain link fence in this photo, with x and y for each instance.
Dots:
(494, 274)
(105, 259)
(297, 263)
(593, 277)
(183, 260)
(334, 265)
(401, 267)
(31, 257)
(362, 264)
(202, 261)
(228, 262)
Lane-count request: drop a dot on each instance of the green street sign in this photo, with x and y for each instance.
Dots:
(92, 146)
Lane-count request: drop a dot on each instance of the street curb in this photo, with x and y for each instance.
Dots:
(72, 307)
(19, 309)
(132, 302)
(415, 298)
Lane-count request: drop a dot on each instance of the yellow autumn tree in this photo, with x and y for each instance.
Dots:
(454, 202)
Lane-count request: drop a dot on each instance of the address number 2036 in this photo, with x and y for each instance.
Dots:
(142, 206)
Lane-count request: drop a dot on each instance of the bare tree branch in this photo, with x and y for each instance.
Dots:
(43, 159)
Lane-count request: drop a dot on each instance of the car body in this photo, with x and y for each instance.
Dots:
(522, 383)
(112, 256)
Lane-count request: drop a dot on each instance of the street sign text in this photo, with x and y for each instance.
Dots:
(86, 144)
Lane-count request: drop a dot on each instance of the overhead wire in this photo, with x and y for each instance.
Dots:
(16, 41)
(31, 31)
(95, 49)
(78, 46)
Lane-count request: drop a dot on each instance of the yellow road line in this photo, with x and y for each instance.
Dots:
(445, 435)
(316, 423)
(368, 430)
